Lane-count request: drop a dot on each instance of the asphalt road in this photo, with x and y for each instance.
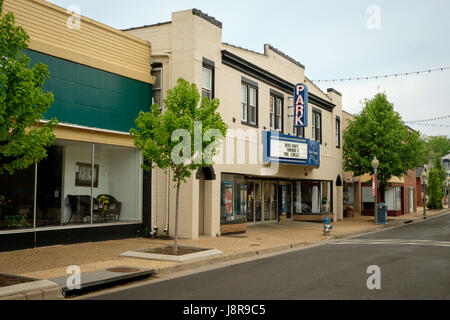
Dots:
(414, 263)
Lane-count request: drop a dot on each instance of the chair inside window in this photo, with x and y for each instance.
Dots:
(80, 206)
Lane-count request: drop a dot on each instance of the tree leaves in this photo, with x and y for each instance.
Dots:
(154, 130)
(379, 131)
(22, 101)
(436, 184)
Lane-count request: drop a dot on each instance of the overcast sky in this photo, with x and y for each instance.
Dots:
(333, 39)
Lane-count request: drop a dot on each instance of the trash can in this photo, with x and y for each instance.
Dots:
(382, 213)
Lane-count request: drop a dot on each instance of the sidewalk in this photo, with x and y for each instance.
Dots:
(52, 262)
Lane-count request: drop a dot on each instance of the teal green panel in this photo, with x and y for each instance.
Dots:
(92, 97)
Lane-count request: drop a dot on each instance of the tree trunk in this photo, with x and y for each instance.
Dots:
(175, 247)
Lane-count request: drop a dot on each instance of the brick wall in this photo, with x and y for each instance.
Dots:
(233, 228)
(410, 182)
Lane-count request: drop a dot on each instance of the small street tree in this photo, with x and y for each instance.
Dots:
(436, 184)
(379, 131)
(200, 128)
(22, 101)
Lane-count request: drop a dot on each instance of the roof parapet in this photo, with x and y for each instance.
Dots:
(268, 46)
(208, 18)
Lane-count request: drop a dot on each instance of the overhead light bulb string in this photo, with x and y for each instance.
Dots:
(385, 76)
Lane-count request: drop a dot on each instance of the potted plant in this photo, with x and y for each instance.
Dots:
(103, 201)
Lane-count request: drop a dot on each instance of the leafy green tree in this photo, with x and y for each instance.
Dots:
(436, 184)
(379, 131)
(200, 127)
(22, 101)
(437, 145)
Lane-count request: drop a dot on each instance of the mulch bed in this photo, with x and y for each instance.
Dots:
(169, 250)
(9, 280)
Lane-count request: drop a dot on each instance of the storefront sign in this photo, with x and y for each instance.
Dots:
(300, 105)
(282, 148)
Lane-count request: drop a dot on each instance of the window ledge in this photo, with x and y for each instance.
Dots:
(249, 124)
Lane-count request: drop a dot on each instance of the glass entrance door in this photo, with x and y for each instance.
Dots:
(255, 202)
(270, 201)
(286, 194)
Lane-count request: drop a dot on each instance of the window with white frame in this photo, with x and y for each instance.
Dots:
(244, 104)
(249, 104)
(316, 126)
(157, 87)
(207, 83)
(276, 112)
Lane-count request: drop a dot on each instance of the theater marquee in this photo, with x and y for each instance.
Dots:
(281, 148)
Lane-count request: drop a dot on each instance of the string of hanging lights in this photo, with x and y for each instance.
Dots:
(430, 124)
(383, 76)
(427, 120)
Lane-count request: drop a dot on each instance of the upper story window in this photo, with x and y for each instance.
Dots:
(207, 83)
(299, 131)
(249, 102)
(157, 87)
(316, 125)
(208, 79)
(276, 113)
(338, 132)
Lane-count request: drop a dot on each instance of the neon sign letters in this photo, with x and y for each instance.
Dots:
(301, 105)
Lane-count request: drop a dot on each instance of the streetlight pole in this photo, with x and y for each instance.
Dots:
(375, 164)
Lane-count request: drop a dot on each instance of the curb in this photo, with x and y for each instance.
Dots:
(36, 290)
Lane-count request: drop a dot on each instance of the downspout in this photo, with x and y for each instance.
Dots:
(166, 230)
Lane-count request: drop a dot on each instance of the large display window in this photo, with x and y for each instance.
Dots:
(312, 197)
(234, 198)
(393, 198)
(78, 183)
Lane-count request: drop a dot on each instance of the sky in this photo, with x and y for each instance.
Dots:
(333, 39)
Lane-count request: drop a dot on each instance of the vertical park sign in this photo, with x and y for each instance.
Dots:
(301, 105)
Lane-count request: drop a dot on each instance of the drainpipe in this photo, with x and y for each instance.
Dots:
(34, 201)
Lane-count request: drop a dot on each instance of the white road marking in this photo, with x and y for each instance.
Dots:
(435, 243)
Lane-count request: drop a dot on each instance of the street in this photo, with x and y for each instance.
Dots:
(414, 262)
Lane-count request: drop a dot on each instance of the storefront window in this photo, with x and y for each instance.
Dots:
(16, 199)
(349, 194)
(72, 189)
(326, 197)
(393, 198)
(312, 197)
(50, 198)
(367, 198)
(234, 198)
(243, 199)
(119, 186)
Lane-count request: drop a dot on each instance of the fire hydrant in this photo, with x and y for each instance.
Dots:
(327, 226)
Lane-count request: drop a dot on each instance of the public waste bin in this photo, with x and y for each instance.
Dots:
(382, 213)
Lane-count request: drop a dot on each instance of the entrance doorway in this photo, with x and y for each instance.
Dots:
(286, 194)
(255, 202)
(263, 201)
(270, 201)
(411, 200)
